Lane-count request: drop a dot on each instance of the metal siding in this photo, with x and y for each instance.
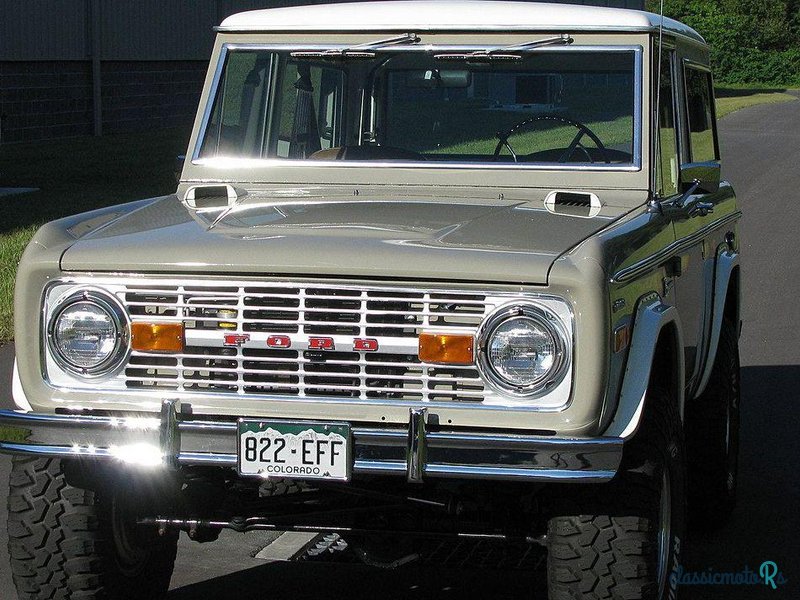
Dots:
(157, 29)
(135, 29)
(43, 30)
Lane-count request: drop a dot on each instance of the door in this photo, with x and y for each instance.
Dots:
(693, 268)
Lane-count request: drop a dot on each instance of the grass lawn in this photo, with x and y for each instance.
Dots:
(80, 174)
(733, 98)
(13, 434)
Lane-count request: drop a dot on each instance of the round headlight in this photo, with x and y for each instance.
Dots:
(88, 334)
(523, 350)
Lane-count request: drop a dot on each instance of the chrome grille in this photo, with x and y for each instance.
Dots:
(393, 316)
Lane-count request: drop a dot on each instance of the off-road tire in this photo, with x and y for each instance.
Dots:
(603, 541)
(61, 541)
(712, 438)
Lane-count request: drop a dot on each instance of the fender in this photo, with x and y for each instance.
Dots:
(652, 316)
(727, 261)
(17, 393)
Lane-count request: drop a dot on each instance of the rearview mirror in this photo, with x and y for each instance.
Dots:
(438, 78)
(706, 176)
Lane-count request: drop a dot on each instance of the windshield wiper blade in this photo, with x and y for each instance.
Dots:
(513, 52)
(366, 50)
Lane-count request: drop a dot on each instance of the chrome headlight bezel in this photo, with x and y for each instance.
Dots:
(107, 303)
(544, 318)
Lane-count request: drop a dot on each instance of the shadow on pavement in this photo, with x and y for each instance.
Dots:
(765, 523)
(300, 581)
(726, 92)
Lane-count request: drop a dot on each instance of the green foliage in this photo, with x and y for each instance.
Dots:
(751, 40)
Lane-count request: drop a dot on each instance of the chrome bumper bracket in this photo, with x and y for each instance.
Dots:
(417, 444)
(169, 434)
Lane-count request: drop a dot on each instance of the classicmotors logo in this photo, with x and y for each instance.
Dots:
(767, 574)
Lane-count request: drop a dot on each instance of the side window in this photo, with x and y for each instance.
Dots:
(310, 103)
(667, 165)
(700, 116)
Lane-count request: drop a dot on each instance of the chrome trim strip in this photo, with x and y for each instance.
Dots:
(210, 459)
(210, 103)
(207, 426)
(652, 315)
(377, 452)
(51, 451)
(427, 48)
(638, 126)
(378, 467)
(428, 28)
(460, 471)
(655, 260)
(727, 261)
(269, 163)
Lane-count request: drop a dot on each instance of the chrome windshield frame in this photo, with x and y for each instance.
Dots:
(262, 163)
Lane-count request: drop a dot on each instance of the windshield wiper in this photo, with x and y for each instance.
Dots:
(366, 50)
(514, 52)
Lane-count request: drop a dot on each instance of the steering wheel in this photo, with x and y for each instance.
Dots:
(574, 145)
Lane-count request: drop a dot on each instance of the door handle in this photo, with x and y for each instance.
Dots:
(681, 209)
(700, 208)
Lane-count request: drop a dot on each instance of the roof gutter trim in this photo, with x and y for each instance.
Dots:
(300, 28)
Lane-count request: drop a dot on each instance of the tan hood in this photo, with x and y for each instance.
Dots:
(472, 239)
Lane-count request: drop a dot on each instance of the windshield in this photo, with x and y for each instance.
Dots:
(556, 106)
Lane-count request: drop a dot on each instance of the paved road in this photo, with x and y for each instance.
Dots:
(761, 146)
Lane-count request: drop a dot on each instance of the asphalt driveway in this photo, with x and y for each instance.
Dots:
(761, 149)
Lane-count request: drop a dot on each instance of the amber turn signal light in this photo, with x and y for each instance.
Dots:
(446, 349)
(157, 337)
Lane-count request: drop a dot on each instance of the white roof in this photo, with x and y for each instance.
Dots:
(449, 15)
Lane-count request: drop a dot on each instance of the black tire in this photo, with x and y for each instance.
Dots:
(604, 542)
(712, 438)
(64, 541)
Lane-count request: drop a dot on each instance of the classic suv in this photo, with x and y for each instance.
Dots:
(433, 270)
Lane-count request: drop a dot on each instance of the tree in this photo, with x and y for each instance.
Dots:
(752, 41)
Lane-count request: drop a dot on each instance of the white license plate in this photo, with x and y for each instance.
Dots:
(294, 450)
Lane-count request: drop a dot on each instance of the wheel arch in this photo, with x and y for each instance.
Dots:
(726, 304)
(656, 351)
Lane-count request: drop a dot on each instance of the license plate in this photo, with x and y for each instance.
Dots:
(294, 450)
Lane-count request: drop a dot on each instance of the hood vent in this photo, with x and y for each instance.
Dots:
(210, 196)
(573, 204)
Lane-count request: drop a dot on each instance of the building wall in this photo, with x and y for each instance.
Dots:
(52, 99)
(151, 54)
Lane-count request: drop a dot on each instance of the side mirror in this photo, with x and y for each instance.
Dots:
(179, 160)
(700, 178)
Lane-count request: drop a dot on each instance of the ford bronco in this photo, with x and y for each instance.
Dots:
(457, 271)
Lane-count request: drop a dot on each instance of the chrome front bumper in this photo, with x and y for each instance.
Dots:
(171, 441)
